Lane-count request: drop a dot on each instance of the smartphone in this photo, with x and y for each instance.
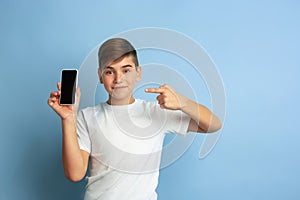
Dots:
(68, 86)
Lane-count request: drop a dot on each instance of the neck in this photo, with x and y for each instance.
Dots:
(120, 102)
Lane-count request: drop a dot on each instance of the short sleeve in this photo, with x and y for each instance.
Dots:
(177, 122)
(83, 133)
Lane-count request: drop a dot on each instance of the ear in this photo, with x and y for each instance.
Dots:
(100, 75)
(139, 73)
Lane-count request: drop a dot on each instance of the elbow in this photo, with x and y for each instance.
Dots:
(215, 128)
(74, 177)
(215, 125)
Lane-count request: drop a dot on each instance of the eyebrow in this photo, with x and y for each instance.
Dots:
(124, 66)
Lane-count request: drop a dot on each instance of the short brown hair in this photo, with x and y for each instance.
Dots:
(114, 49)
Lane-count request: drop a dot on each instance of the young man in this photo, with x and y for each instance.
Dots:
(123, 137)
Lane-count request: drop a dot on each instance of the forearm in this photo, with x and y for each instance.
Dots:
(73, 161)
(204, 118)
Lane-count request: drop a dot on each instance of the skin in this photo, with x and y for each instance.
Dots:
(119, 79)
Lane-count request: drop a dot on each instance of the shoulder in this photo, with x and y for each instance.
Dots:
(91, 109)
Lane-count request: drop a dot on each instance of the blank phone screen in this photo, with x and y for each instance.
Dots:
(68, 86)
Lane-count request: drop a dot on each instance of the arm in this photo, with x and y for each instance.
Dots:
(75, 160)
(203, 120)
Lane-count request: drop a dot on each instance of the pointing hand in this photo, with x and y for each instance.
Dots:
(168, 98)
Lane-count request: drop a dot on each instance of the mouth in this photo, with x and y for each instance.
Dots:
(118, 87)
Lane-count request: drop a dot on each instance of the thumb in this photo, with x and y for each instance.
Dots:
(58, 86)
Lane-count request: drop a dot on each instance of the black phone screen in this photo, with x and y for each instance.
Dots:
(68, 87)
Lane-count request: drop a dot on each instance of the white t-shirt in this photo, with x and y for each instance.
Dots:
(125, 144)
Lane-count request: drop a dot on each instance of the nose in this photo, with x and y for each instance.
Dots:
(118, 77)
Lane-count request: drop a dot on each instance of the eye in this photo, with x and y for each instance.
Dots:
(108, 72)
(126, 70)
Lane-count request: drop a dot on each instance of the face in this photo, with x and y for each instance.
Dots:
(119, 79)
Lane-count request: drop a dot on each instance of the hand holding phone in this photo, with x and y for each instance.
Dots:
(70, 94)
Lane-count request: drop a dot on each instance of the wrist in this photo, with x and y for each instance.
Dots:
(69, 119)
(183, 101)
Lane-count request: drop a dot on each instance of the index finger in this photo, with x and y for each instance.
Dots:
(154, 90)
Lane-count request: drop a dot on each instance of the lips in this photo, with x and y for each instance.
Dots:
(119, 87)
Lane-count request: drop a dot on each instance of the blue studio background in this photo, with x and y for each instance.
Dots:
(254, 44)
